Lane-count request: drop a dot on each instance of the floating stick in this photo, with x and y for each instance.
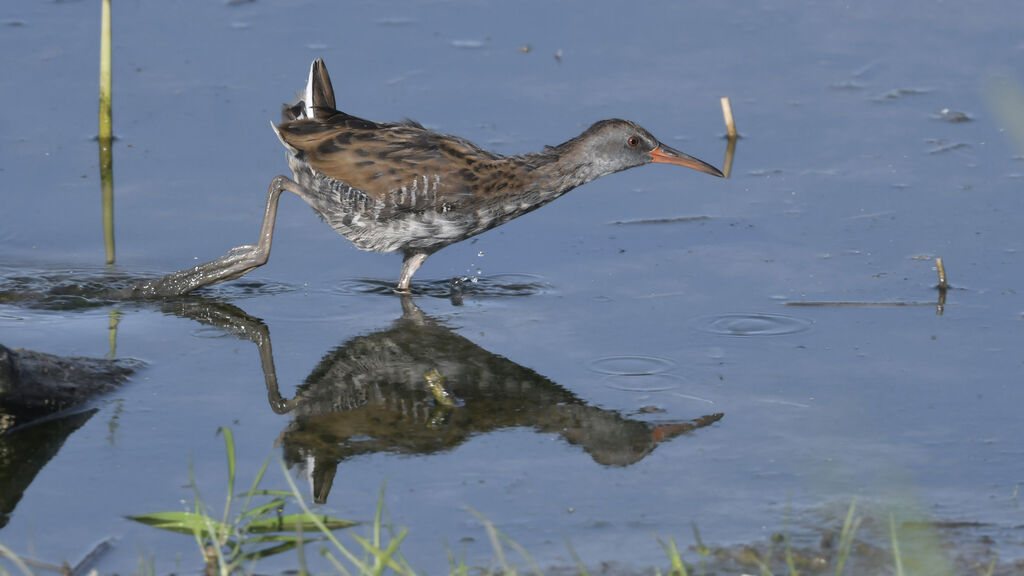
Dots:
(730, 123)
(942, 274)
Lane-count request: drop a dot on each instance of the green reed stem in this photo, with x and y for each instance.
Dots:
(106, 135)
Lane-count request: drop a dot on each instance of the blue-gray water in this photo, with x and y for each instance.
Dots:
(846, 185)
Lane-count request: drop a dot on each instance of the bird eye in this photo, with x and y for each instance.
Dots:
(632, 141)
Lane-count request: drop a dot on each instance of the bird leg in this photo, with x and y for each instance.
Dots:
(235, 264)
(410, 264)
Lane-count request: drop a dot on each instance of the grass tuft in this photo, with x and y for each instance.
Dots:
(676, 559)
(850, 526)
(253, 532)
(239, 536)
(895, 541)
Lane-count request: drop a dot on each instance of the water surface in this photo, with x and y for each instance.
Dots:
(655, 297)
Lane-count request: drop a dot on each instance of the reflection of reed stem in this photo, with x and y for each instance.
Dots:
(730, 128)
(114, 320)
(107, 186)
(105, 135)
(730, 151)
(943, 286)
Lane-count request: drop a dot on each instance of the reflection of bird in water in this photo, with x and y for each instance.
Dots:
(398, 187)
(420, 388)
(374, 394)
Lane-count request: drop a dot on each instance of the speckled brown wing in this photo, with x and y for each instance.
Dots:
(381, 159)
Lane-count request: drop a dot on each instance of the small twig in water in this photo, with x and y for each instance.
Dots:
(730, 123)
(943, 285)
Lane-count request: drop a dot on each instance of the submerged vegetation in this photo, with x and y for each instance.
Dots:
(235, 540)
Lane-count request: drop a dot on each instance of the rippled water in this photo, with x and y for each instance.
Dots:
(457, 288)
(631, 365)
(655, 350)
(752, 324)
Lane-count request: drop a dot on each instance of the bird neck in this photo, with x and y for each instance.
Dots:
(557, 170)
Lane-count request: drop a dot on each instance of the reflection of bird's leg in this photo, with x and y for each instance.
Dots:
(410, 311)
(278, 404)
(235, 264)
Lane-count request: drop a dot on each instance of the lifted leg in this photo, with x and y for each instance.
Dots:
(410, 264)
(235, 264)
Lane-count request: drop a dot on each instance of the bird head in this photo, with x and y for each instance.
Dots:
(614, 145)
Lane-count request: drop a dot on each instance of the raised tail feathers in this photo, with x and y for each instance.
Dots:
(316, 100)
(319, 97)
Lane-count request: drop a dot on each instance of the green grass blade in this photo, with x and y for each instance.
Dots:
(895, 545)
(407, 568)
(492, 534)
(229, 446)
(378, 514)
(258, 538)
(678, 567)
(458, 567)
(790, 563)
(392, 553)
(765, 571)
(253, 489)
(260, 511)
(297, 522)
(991, 566)
(222, 564)
(580, 568)
(334, 561)
(497, 537)
(301, 552)
(269, 551)
(197, 533)
(263, 492)
(383, 558)
(702, 550)
(363, 568)
(183, 522)
(522, 553)
(846, 537)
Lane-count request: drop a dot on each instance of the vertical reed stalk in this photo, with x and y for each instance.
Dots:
(105, 121)
(106, 136)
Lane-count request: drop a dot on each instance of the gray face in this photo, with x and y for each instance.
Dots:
(615, 145)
